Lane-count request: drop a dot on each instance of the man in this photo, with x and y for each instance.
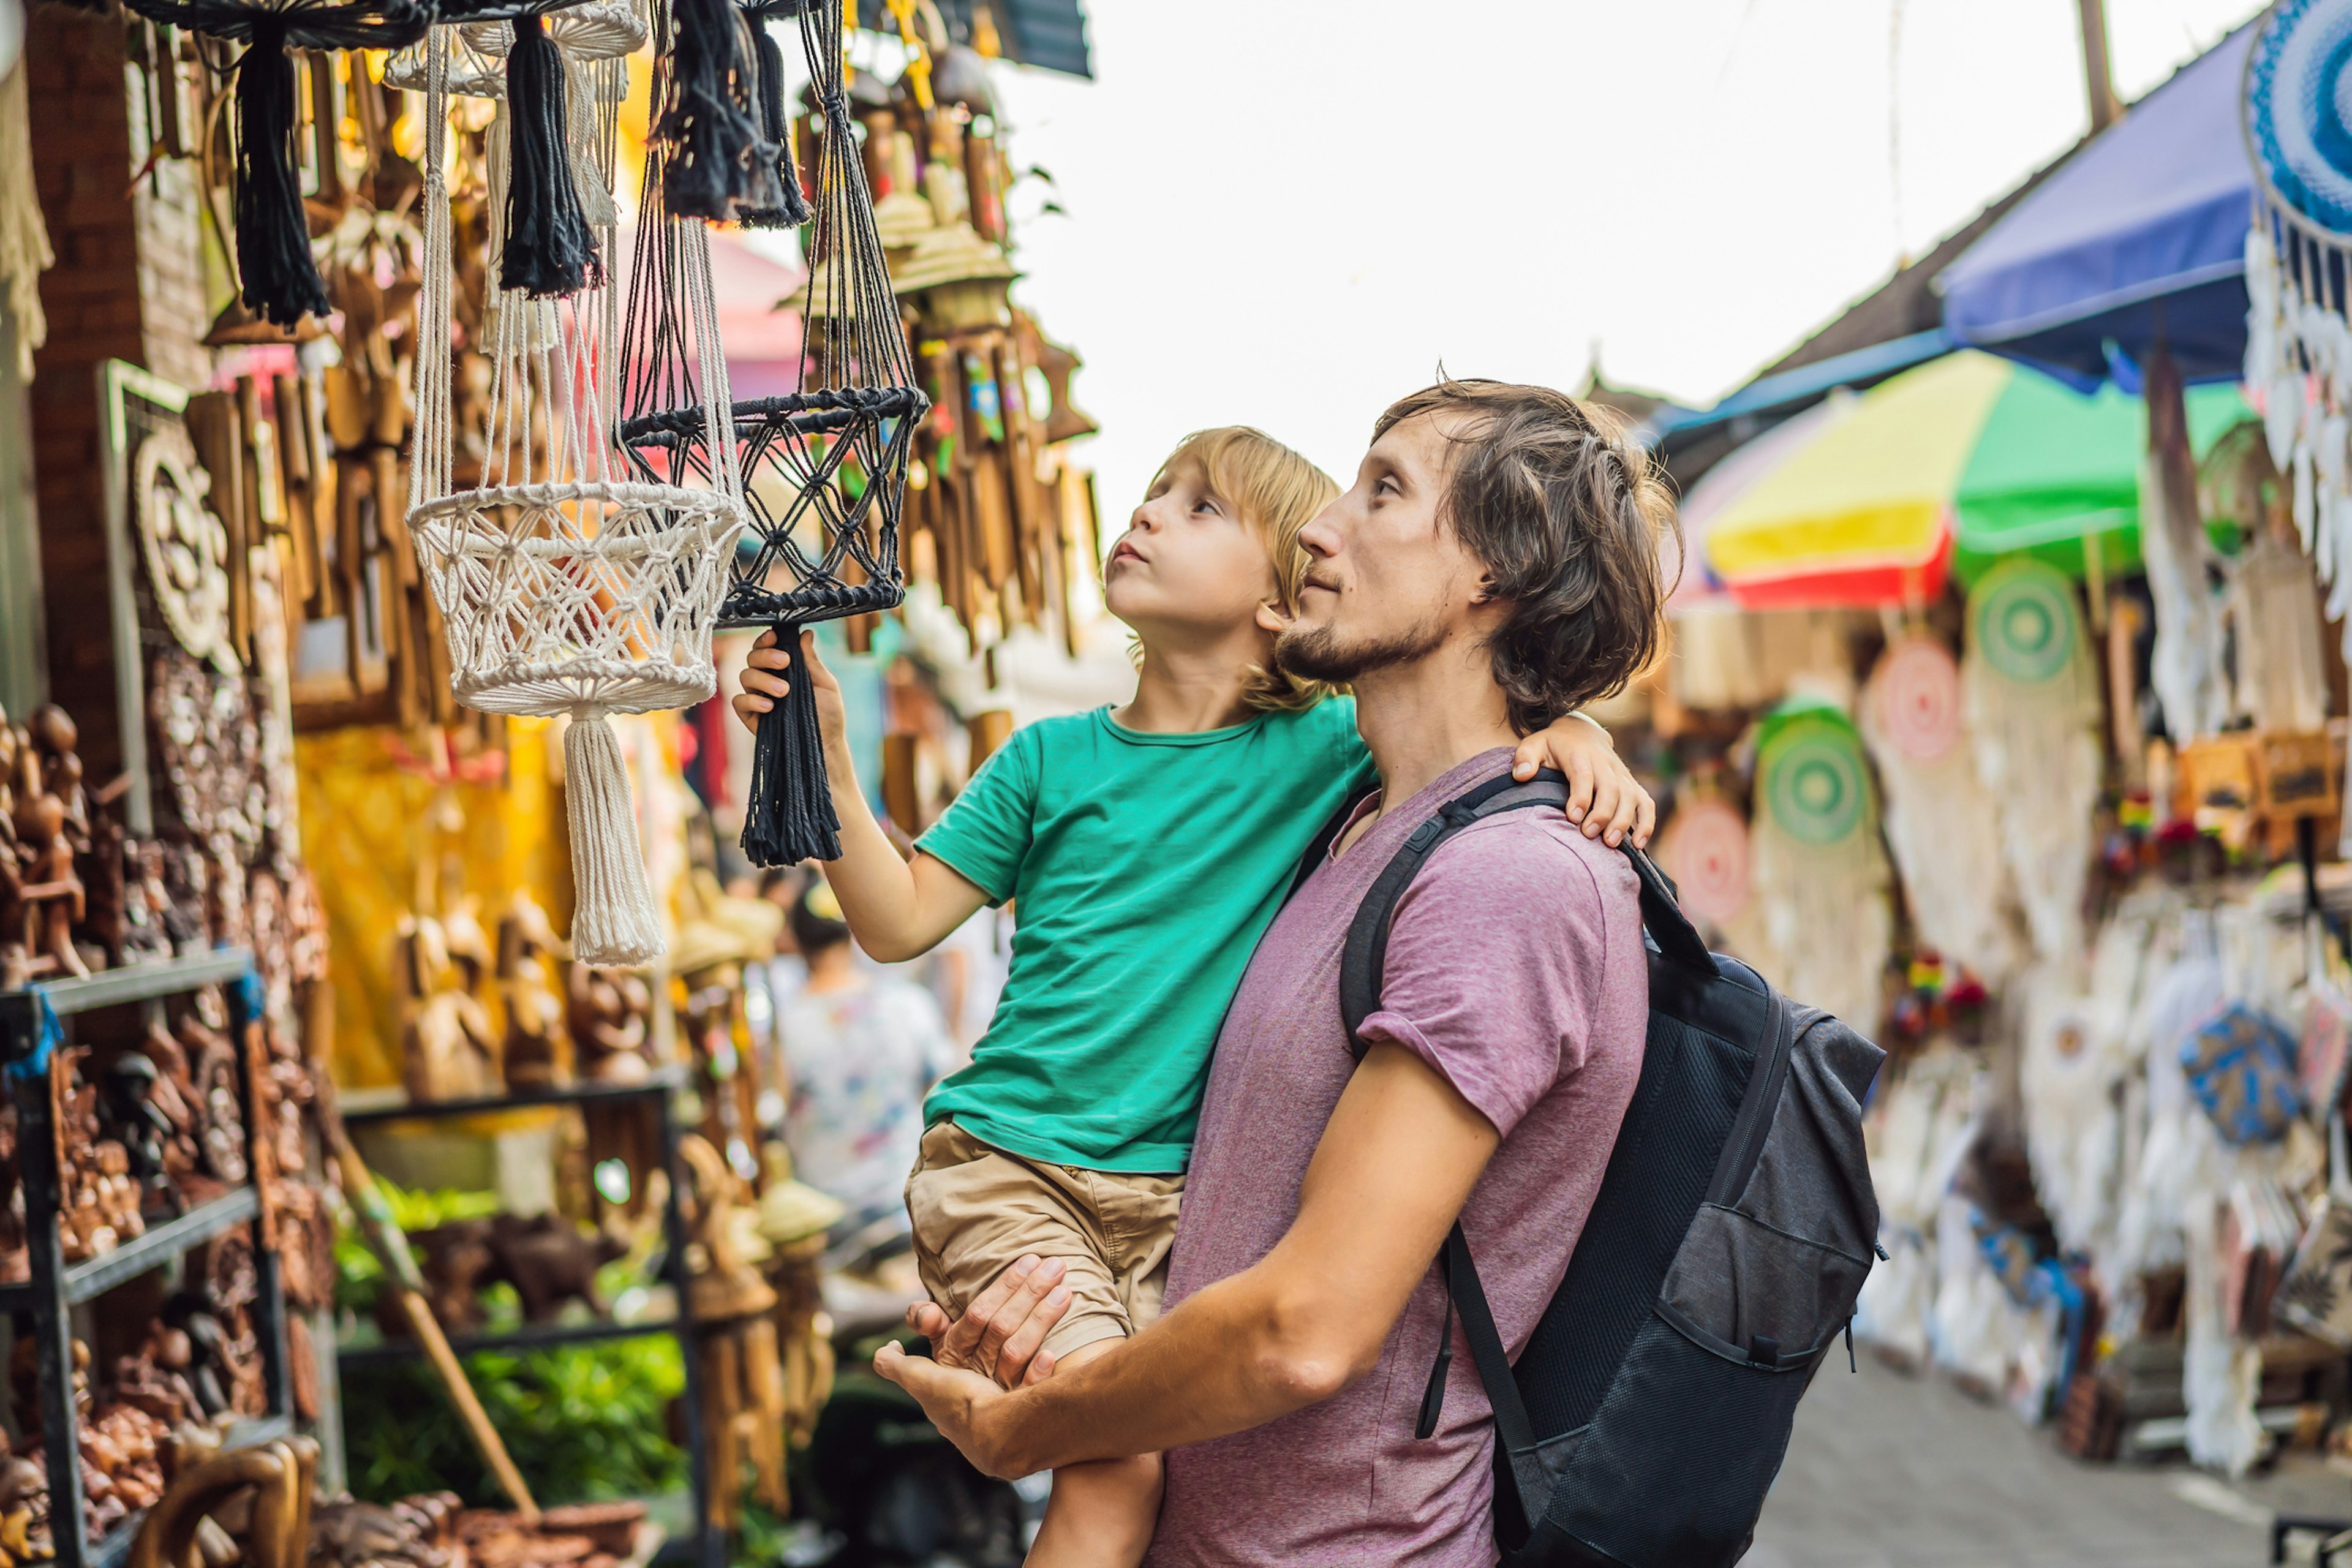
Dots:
(1494, 566)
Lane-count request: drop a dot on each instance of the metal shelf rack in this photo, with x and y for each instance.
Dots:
(36, 1025)
(704, 1546)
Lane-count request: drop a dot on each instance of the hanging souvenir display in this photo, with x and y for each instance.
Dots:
(790, 207)
(824, 468)
(714, 163)
(279, 279)
(2298, 345)
(1705, 849)
(2031, 700)
(1820, 922)
(1942, 823)
(567, 585)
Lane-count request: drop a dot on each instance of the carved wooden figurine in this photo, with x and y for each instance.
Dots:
(607, 1015)
(537, 1054)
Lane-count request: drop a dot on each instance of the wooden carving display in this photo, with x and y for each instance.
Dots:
(537, 1052)
(743, 1390)
(182, 543)
(448, 1050)
(607, 1015)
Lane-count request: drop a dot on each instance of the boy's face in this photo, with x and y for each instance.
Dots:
(1188, 568)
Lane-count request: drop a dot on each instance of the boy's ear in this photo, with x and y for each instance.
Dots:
(1272, 617)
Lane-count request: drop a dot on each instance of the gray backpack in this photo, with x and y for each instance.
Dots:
(1645, 1420)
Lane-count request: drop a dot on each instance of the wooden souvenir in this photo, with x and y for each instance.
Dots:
(16, 859)
(538, 1051)
(607, 1018)
(742, 1377)
(448, 1049)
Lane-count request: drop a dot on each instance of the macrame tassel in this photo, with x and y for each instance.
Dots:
(273, 235)
(549, 249)
(791, 208)
(790, 816)
(613, 920)
(715, 142)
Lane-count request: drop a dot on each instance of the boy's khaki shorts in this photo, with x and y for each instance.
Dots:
(978, 1210)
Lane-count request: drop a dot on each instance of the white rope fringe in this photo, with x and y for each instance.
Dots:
(613, 919)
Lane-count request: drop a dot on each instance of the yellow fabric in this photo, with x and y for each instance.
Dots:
(380, 837)
(1874, 485)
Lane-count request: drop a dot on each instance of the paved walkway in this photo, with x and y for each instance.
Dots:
(1890, 1471)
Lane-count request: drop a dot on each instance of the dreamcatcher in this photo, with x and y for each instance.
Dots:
(1819, 923)
(2298, 347)
(824, 468)
(1705, 848)
(278, 281)
(568, 584)
(2031, 699)
(1942, 823)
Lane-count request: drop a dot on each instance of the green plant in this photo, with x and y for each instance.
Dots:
(584, 1423)
(358, 1271)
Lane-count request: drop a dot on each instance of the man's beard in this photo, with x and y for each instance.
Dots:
(1316, 653)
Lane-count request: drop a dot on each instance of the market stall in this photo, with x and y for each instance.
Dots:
(391, 1023)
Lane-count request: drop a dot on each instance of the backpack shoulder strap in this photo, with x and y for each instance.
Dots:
(1359, 998)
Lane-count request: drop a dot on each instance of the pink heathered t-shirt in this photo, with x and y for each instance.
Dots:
(1515, 967)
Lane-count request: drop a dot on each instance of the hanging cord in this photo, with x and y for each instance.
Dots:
(273, 234)
(549, 249)
(792, 210)
(717, 156)
(278, 278)
(790, 816)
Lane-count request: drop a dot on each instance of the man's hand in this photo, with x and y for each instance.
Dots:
(1603, 793)
(958, 1403)
(1003, 1333)
(765, 685)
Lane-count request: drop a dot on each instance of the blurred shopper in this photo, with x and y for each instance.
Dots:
(858, 1051)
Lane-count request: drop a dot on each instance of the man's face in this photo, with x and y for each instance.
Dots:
(1389, 580)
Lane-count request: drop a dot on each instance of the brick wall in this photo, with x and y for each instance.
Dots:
(128, 284)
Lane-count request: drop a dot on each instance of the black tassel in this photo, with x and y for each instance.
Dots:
(281, 281)
(550, 249)
(714, 140)
(790, 816)
(790, 207)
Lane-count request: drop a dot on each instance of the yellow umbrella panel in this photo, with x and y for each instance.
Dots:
(1860, 514)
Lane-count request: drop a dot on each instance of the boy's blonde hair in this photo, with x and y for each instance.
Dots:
(1276, 492)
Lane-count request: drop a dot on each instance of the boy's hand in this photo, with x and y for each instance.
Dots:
(765, 685)
(1603, 793)
(1002, 1334)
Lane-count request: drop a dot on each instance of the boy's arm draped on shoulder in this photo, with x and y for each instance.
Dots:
(895, 910)
(1603, 796)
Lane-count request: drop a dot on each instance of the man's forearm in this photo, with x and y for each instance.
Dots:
(1229, 1359)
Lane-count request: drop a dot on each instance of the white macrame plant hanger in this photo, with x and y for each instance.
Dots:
(567, 587)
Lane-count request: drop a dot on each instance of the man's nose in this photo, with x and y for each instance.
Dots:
(1319, 539)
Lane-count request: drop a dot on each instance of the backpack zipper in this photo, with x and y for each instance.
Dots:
(1754, 1122)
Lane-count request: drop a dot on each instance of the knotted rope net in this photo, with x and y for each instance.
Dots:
(824, 468)
(569, 584)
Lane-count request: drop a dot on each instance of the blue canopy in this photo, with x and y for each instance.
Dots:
(2141, 234)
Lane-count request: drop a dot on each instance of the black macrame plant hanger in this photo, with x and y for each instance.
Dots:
(277, 277)
(824, 469)
(791, 208)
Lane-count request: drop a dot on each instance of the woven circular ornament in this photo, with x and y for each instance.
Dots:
(1815, 785)
(2021, 617)
(2299, 108)
(1919, 698)
(1709, 859)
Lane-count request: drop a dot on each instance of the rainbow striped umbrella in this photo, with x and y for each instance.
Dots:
(1875, 498)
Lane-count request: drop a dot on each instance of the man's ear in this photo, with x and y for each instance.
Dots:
(1272, 617)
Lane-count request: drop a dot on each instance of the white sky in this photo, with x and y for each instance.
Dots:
(1287, 212)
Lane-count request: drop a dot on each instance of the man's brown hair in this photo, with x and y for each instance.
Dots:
(1567, 516)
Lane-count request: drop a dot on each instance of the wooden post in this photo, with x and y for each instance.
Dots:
(2098, 79)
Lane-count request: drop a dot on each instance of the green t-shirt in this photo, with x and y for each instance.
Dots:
(1145, 866)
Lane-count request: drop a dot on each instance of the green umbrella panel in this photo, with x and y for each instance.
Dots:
(2054, 469)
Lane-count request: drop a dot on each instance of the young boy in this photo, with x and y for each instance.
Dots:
(1148, 847)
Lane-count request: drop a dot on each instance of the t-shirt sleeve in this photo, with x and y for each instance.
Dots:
(1493, 966)
(985, 832)
(1350, 758)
